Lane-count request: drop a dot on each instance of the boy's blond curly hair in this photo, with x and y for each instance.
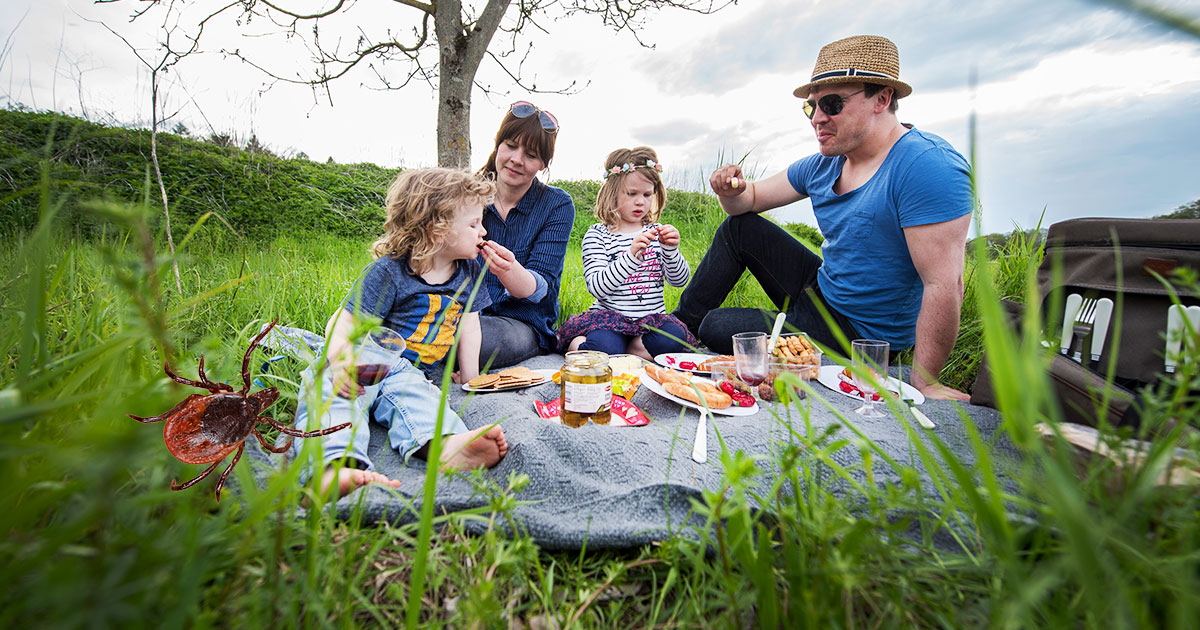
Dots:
(613, 187)
(421, 204)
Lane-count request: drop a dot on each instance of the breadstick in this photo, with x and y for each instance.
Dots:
(713, 397)
(665, 375)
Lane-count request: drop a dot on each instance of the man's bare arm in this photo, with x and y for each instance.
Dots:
(757, 196)
(937, 251)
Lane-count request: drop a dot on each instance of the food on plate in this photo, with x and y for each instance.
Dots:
(707, 365)
(663, 376)
(741, 398)
(627, 364)
(712, 396)
(519, 376)
(484, 380)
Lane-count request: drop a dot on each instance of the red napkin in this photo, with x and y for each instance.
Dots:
(624, 413)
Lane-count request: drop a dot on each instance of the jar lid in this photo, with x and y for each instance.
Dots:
(587, 358)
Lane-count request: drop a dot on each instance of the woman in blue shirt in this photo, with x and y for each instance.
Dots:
(527, 225)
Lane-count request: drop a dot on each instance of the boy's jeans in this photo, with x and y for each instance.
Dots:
(404, 402)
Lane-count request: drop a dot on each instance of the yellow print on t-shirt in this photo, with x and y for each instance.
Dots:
(434, 332)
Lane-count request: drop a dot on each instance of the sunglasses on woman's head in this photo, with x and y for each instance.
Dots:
(525, 109)
(831, 104)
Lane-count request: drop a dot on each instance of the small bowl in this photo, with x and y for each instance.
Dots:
(804, 365)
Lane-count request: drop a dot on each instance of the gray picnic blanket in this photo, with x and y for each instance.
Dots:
(611, 487)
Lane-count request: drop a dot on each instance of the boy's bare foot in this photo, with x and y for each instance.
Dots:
(575, 343)
(350, 479)
(481, 448)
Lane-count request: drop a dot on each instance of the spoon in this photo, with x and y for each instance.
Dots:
(775, 332)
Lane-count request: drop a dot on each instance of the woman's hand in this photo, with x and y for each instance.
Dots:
(668, 236)
(641, 242)
(500, 260)
(517, 280)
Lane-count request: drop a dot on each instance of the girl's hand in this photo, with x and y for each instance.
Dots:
(501, 261)
(641, 242)
(668, 236)
(728, 181)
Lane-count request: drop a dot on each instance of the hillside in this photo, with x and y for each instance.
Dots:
(259, 194)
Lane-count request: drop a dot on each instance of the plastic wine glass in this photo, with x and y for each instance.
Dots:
(870, 357)
(377, 353)
(750, 357)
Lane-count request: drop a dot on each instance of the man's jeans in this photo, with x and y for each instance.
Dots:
(784, 267)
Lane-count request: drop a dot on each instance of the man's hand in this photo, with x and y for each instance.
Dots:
(937, 391)
(668, 236)
(641, 242)
(728, 181)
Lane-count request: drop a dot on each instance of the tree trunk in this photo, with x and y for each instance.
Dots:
(459, 54)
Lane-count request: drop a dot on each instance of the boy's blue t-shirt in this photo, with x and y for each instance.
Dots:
(425, 315)
(868, 275)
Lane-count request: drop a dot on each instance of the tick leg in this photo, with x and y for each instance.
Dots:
(274, 449)
(209, 385)
(298, 433)
(207, 471)
(221, 481)
(249, 351)
(187, 381)
(159, 418)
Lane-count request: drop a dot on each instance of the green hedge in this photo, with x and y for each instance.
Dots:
(258, 194)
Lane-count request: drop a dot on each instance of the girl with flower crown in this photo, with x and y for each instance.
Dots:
(627, 256)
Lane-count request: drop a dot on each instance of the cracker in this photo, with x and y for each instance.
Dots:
(519, 371)
(483, 381)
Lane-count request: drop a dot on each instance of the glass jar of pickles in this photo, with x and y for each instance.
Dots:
(586, 388)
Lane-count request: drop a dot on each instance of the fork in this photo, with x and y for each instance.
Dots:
(1083, 327)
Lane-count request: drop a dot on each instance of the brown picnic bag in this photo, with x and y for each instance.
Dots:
(1122, 260)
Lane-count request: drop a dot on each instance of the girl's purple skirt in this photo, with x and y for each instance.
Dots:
(603, 319)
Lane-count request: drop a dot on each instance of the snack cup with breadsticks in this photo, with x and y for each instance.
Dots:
(796, 349)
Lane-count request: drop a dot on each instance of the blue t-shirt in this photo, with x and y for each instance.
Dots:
(868, 275)
(536, 231)
(425, 315)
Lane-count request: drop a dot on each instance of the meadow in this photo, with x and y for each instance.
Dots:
(93, 537)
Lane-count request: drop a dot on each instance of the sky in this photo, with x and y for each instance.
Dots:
(1080, 109)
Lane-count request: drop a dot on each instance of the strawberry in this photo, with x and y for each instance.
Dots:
(727, 387)
(687, 365)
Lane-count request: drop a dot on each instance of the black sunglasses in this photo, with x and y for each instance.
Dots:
(525, 109)
(831, 104)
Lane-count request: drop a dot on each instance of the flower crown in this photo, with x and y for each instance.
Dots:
(628, 167)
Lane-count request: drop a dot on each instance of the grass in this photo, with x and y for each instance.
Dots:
(93, 537)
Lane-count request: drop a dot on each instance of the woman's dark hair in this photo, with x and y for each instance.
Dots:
(871, 89)
(525, 131)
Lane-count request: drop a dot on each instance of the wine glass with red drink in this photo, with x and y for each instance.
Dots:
(750, 357)
(379, 350)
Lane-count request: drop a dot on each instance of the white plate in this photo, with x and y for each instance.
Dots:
(654, 386)
(546, 372)
(828, 376)
(694, 357)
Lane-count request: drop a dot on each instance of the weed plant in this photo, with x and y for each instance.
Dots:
(93, 536)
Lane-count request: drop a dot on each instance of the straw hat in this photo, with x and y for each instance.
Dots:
(858, 59)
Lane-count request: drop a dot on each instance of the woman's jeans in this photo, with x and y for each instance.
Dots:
(404, 402)
(506, 342)
(784, 267)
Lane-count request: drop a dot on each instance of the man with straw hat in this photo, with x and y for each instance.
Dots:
(893, 202)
